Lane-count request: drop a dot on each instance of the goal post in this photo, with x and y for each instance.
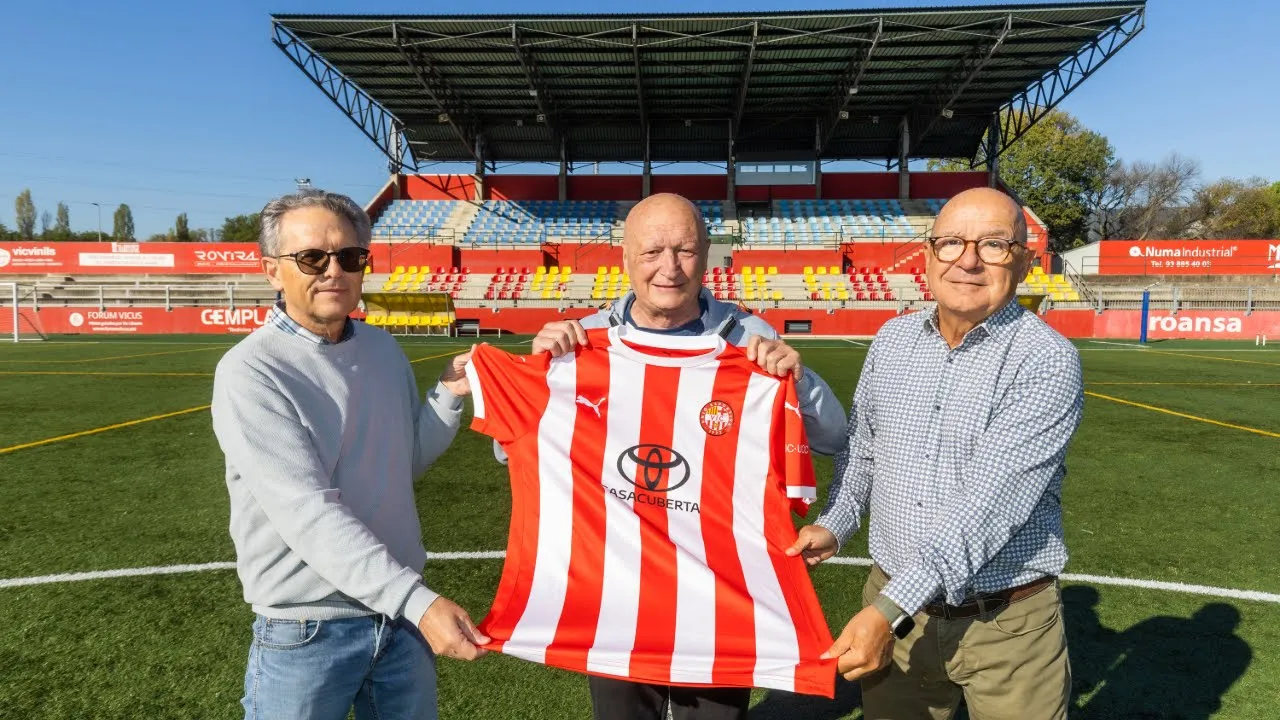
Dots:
(16, 323)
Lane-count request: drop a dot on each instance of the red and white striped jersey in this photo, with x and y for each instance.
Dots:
(652, 481)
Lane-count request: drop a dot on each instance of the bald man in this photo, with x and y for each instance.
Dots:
(665, 249)
(956, 443)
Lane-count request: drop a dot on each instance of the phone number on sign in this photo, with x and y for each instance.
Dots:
(1181, 263)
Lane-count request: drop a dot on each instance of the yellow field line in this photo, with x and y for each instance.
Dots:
(109, 374)
(1213, 357)
(116, 357)
(433, 357)
(1193, 384)
(1175, 413)
(103, 429)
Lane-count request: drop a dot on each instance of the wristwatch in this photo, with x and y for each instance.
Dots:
(900, 622)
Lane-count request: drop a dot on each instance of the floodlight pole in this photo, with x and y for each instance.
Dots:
(99, 220)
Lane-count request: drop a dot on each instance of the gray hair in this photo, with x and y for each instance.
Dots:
(340, 205)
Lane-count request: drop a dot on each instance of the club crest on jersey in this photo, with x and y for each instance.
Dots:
(716, 417)
(654, 468)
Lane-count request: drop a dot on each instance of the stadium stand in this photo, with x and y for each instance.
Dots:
(529, 222)
(418, 218)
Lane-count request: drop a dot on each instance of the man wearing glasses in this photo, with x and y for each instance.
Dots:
(324, 433)
(956, 446)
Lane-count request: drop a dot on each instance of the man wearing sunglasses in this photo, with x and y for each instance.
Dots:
(324, 433)
(956, 445)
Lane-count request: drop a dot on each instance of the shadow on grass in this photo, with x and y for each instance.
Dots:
(1162, 667)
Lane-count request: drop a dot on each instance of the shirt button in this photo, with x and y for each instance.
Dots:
(950, 359)
(937, 407)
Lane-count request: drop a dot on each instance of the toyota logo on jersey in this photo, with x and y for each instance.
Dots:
(660, 468)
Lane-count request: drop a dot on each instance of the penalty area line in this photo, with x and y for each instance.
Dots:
(1175, 587)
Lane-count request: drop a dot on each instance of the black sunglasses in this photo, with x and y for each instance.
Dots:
(314, 261)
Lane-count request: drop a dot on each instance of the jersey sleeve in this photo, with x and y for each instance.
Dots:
(802, 486)
(509, 392)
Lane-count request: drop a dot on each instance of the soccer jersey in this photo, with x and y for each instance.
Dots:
(652, 482)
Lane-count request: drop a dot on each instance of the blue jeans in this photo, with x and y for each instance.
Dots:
(319, 669)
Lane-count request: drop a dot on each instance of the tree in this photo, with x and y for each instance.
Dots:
(1232, 208)
(46, 223)
(1056, 168)
(25, 210)
(181, 233)
(122, 229)
(62, 225)
(241, 228)
(1159, 204)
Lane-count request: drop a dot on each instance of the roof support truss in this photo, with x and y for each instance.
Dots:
(1029, 106)
(848, 86)
(537, 88)
(453, 109)
(635, 57)
(963, 75)
(377, 124)
(746, 80)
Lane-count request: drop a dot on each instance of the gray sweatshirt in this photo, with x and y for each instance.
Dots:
(323, 444)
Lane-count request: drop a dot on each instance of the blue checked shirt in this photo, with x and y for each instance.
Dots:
(280, 319)
(959, 456)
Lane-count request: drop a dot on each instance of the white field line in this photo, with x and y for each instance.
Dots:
(1137, 348)
(1183, 588)
(855, 342)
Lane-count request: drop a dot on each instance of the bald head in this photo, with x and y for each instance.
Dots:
(665, 210)
(988, 202)
(665, 248)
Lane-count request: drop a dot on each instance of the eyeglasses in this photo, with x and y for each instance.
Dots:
(314, 261)
(991, 250)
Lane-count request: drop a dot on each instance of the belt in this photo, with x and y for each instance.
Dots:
(987, 602)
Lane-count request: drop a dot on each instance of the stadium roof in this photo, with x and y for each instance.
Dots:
(828, 84)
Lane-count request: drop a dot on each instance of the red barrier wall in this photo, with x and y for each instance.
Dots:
(486, 261)
(605, 187)
(1189, 257)
(440, 187)
(860, 186)
(585, 258)
(522, 187)
(693, 187)
(762, 193)
(88, 258)
(945, 184)
(388, 256)
(1113, 324)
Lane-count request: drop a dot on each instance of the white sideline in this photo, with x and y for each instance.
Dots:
(1184, 588)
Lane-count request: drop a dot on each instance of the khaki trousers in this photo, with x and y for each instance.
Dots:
(1010, 664)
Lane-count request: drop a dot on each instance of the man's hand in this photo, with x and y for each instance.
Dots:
(454, 377)
(559, 337)
(774, 357)
(449, 631)
(815, 543)
(865, 645)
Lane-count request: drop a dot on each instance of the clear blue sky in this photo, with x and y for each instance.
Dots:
(187, 106)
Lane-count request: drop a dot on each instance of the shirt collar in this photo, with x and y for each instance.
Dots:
(280, 319)
(992, 327)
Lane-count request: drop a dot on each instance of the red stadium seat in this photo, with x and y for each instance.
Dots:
(888, 295)
(488, 295)
(719, 295)
(875, 296)
(453, 270)
(466, 269)
(503, 295)
(862, 296)
(815, 296)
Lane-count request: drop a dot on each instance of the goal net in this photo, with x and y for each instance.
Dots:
(17, 314)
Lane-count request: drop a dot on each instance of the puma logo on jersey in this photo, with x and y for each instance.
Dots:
(793, 408)
(593, 405)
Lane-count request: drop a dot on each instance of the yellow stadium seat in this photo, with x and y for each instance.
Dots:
(773, 270)
(602, 270)
(759, 270)
(1073, 296)
(546, 294)
(611, 294)
(746, 271)
(1057, 296)
(1037, 270)
(398, 271)
(615, 270)
(808, 271)
(566, 270)
(826, 293)
(413, 270)
(559, 294)
(388, 285)
(777, 294)
(822, 270)
(539, 271)
(842, 294)
(751, 294)
(368, 269)
(597, 294)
